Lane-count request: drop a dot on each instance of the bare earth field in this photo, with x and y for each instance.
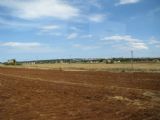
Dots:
(37, 94)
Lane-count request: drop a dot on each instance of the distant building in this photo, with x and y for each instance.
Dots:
(12, 61)
(118, 61)
(30, 63)
(108, 61)
(156, 60)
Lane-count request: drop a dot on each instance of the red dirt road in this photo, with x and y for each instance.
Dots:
(32, 94)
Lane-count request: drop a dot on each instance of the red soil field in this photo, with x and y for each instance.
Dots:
(33, 94)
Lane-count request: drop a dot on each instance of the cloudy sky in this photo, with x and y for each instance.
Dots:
(46, 29)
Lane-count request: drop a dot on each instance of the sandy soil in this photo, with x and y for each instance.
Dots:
(32, 94)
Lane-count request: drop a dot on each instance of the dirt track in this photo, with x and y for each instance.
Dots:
(30, 94)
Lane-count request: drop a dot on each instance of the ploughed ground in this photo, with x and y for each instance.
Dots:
(33, 94)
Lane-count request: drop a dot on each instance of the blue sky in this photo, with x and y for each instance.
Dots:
(48, 29)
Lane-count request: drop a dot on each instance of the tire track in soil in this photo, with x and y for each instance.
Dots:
(124, 114)
(75, 84)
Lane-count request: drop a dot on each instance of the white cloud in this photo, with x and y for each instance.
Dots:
(87, 36)
(138, 45)
(74, 28)
(95, 3)
(85, 47)
(96, 17)
(29, 47)
(34, 9)
(50, 27)
(127, 38)
(21, 45)
(56, 34)
(158, 46)
(49, 30)
(124, 2)
(155, 42)
(17, 24)
(126, 41)
(49, 33)
(72, 36)
(75, 35)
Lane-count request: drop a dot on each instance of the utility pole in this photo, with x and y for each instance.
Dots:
(70, 59)
(132, 68)
(132, 60)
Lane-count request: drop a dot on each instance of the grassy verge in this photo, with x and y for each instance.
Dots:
(138, 67)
